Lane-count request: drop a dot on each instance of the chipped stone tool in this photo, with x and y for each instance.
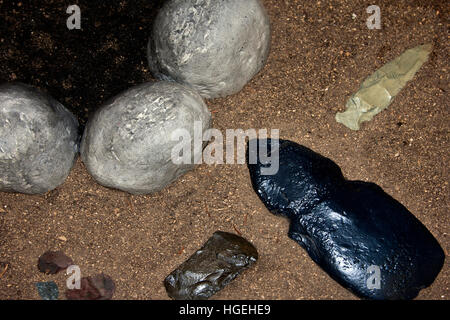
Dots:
(377, 91)
(223, 257)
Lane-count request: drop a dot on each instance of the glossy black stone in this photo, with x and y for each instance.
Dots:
(222, 258)
(348, 227)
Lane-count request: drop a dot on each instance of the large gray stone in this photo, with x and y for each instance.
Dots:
(128, 142)
(38, 140)
(214, 46)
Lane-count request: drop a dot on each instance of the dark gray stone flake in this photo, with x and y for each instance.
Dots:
(223, 257)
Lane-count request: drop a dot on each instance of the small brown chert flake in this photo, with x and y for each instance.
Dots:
(52, 262)
(98, 287)
(223, 257)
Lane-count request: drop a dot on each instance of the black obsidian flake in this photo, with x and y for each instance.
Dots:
(362, 237)
(222, 258)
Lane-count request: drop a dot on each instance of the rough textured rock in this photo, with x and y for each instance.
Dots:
(38, 140)
(127, 143)
(214, 46)
(223, 257)
(347, 227)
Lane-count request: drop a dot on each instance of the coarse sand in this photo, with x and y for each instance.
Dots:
(321, 52)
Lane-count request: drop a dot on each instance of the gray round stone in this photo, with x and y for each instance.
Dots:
(38, 140)
(128, 143)
(215, 46)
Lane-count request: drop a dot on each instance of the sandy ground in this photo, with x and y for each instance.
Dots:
(321, 52)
